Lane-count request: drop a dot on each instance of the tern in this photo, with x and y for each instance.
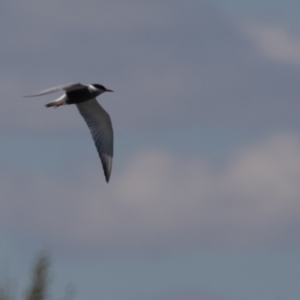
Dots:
(96, 118)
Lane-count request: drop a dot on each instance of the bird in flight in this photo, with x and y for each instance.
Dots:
(96, 118)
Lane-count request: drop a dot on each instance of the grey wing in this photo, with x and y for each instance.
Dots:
(66, 87)
(99, 123)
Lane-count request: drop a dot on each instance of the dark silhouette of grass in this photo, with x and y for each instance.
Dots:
(39, 285)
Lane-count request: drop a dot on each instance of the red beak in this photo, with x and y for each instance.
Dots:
(107, 90)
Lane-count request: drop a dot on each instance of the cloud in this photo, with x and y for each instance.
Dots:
(161, 202)
(276, 42)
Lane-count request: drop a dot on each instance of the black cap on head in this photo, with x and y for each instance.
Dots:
(99, 86)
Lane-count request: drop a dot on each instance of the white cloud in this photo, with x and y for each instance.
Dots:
(162, 202)
(276, 42)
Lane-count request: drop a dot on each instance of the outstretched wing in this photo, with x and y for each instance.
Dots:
(99, 123)
(67, 88)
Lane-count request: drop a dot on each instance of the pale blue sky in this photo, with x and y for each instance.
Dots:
(203, 199)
